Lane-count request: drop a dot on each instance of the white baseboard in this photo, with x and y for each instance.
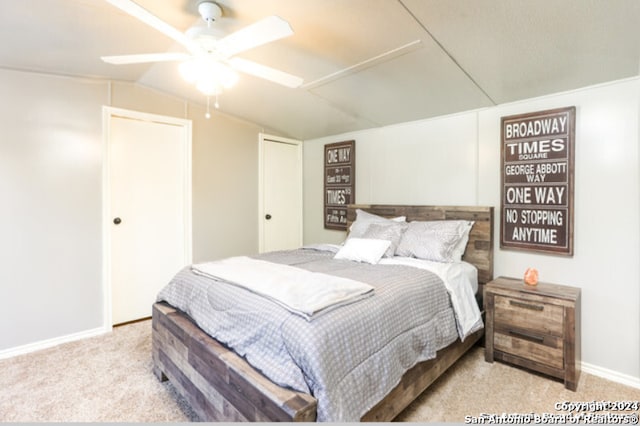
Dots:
(611, 375)
(44, 344)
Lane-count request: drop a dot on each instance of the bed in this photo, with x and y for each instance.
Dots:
(221, 385)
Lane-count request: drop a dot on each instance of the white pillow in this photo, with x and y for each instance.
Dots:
(440, 240)
(390, 231)
(364, 219)
(464, 230)
(367, 250)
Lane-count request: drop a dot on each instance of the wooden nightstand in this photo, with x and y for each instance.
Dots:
(536, 327)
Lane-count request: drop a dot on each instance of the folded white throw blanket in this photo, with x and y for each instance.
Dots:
(302, 292)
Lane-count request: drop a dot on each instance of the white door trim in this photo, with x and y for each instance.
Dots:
(261, 204)
(107, 114)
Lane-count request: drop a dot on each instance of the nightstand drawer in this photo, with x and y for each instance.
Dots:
(550, 354)
(529, 315)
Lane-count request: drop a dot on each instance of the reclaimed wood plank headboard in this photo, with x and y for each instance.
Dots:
(479, 250)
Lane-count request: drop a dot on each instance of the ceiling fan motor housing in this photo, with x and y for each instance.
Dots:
(209, 10)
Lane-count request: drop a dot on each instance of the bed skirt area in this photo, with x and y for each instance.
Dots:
(221, 386)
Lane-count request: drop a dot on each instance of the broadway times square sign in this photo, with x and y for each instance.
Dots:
(538, 155)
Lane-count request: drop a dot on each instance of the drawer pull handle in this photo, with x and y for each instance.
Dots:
(526, 305)
(531, 337)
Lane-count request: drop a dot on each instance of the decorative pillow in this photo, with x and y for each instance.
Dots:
(363, 250)
(391, 232)
(364, 219)
(440, 240)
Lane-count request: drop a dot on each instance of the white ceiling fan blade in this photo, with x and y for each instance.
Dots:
(153, 21)
(145, 57)
(268, 73)
(259, 33)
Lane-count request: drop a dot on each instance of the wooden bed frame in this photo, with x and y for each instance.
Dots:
(221, 386)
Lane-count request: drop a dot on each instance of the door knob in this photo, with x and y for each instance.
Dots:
(268, 216)
(117, 221)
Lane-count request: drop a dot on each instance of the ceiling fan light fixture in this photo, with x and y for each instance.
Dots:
(226, 75)
(189, 71)
(209, 87)
(211, 77)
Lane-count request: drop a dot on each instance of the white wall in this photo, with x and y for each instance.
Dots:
(50, 198)
(456, 160)
(50, 187)
(225, 187)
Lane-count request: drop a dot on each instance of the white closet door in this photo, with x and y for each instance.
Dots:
(148, 218)
(281, 212)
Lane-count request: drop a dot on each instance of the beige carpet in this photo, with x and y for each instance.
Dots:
(473, 387)
(109, 379)
(101, 379)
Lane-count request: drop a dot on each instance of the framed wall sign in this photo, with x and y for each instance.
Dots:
(537, 154)
(339, 183)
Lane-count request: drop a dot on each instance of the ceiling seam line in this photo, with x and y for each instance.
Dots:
(446, 52)
(362, 65)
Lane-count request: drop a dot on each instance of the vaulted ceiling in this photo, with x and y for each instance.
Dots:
(365, 63)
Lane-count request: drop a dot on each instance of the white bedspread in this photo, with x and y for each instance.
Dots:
(300, 291)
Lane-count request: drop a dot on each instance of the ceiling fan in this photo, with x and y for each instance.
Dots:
(210, 60)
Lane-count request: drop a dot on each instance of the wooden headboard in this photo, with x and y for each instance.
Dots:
(479, 250)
